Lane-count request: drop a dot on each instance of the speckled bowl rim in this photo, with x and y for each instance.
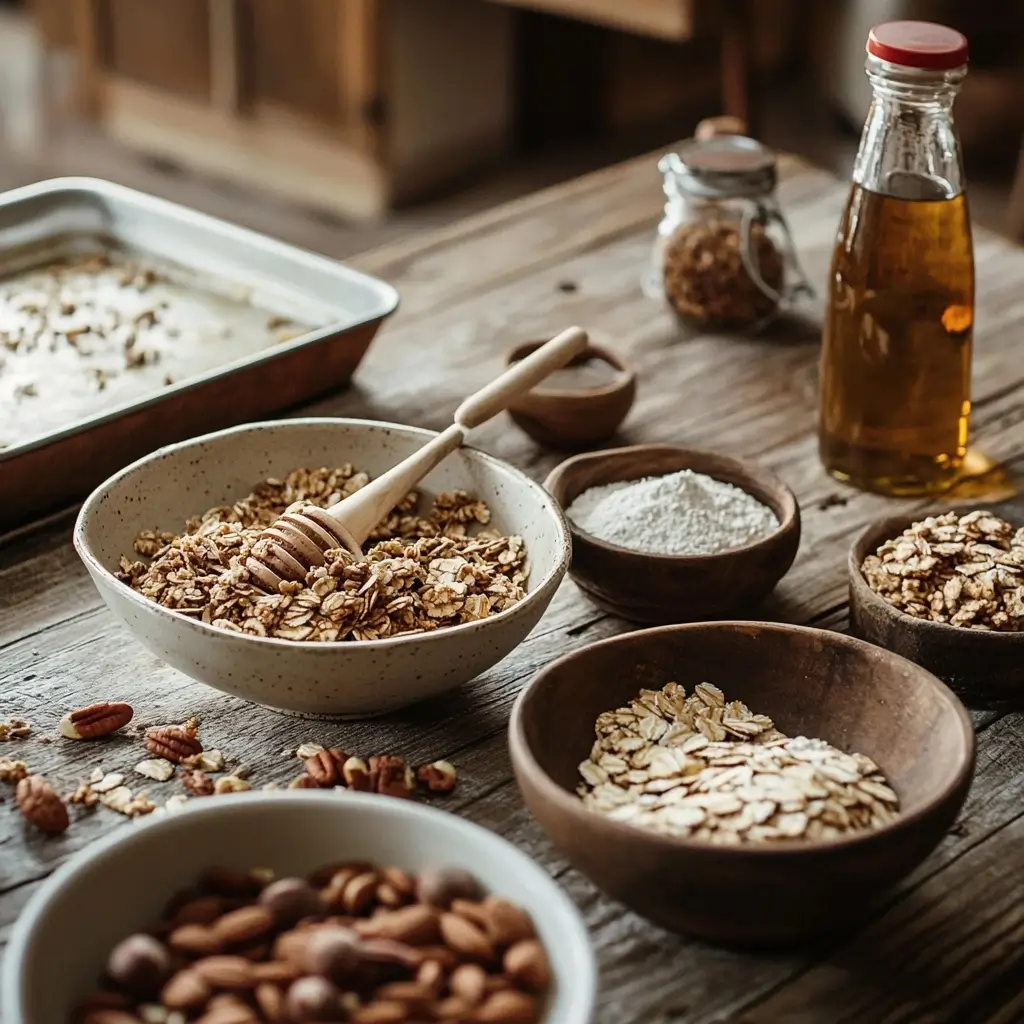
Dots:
(748, 467)
(581, 982)
(554, 573)
(568, 804)
(1008, 639)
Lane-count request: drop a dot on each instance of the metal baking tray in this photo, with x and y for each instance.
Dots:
(67, 440)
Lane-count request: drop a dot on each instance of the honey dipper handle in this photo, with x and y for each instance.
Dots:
(362, 511)
(523, 375)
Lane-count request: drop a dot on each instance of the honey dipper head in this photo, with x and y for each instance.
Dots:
(297, 542)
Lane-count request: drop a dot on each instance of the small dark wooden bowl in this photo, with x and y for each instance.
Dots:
(573, 418)
(811, 682)
(985, 669)
(657, 589)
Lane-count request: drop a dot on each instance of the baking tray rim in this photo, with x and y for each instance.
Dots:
(387, 294)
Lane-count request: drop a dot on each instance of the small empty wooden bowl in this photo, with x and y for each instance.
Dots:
(984, 668)
(658, 589)
(575, 417)
(811, 682)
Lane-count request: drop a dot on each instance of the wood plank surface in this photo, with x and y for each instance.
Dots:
(946, 946)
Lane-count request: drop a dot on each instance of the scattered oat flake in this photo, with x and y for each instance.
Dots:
(156, 768)
(109, 782)
(96, 775)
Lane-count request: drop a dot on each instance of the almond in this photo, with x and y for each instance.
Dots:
(276, 972)
(270, 1000)
(243, 925)
(201, 910)
(225, 972)
(469, 983)
(415, 925)
(508, 1007)
(194, 939)
(359, 893)
(452, 1009)
(380, 1012)
(95, 721)
(172, 742)
(109, 1017)
(185, 991)
(526, 964)
(466, 938)
(41, 806)
(233, 1012)
(505, 923)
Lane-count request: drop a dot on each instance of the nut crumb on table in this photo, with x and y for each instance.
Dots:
(423, 573)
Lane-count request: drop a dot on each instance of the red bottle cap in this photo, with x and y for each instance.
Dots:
(918, 44)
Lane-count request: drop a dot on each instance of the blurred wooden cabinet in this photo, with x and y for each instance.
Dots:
(351, 105)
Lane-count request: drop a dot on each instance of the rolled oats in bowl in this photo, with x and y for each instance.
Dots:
(422, 572)
(705, 768)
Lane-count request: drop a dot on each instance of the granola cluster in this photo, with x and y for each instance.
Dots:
(423, 573)
(704, 768)
(964, 571)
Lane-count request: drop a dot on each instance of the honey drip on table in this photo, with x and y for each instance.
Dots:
(896, 356)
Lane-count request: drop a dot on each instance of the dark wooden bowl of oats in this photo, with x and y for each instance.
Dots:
(757, 840)
(953, 602)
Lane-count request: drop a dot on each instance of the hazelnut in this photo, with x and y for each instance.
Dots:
(292, 899)
(439, 886)
(140, 963)
(313, 999)
(333, 953)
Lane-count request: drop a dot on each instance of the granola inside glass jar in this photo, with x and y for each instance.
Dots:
(723, 258)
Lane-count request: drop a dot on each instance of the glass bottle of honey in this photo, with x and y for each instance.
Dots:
(896, 347)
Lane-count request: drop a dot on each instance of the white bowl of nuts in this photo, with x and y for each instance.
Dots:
(300, 907)
(455, 577)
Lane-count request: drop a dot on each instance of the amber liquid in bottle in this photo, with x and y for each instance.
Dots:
(896, 356)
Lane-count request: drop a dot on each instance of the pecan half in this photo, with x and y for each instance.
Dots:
(326, 767)
(356, 773)
(391, 776)
(438, 777)
(197, 782)
(41, 806)
(172, 742)
(95, 721)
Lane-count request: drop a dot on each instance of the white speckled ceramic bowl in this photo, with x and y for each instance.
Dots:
(332, 679)
(120, 884)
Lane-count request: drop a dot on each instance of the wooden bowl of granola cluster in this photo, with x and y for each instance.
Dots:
(669, 765)
(452, 585)
(947, 592)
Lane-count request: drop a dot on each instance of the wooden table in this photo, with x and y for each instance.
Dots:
(948, 945)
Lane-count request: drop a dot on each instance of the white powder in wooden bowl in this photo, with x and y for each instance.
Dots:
(682, 513)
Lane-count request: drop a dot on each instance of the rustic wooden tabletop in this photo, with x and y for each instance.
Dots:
(947, 946)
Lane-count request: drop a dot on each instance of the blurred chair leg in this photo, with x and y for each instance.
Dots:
(1016, 213)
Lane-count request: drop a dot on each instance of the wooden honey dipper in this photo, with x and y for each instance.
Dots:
(298, 540)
